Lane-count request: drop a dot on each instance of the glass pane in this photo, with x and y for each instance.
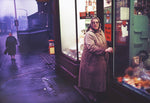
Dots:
(133, 70)
(85, 10)
(68, 27)
(121, 37)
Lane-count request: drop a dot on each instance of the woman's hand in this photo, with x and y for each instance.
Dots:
(109, 49)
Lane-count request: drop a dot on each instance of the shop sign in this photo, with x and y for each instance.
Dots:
(108, 32)
(87, 15)
(42, 0)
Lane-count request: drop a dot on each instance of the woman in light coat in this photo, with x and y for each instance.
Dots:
(93, 66)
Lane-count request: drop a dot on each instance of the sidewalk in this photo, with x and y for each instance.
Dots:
(33, 80)
(49, 59)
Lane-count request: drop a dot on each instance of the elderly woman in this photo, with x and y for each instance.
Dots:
(93, 66)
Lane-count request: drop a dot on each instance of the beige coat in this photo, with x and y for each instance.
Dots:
(92, 72)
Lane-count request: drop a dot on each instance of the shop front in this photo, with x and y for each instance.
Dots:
(131, 34)
(126, 24)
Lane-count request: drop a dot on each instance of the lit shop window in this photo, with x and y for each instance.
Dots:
(74, 20)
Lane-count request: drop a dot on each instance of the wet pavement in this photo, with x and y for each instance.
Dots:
(32, 79)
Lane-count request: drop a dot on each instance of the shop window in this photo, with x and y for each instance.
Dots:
(132, 44)
(74, 20)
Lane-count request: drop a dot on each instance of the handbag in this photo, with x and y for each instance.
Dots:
(5, 52)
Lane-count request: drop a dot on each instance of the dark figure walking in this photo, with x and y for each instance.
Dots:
(11, 43)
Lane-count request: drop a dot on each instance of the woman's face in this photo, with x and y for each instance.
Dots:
(95, 24)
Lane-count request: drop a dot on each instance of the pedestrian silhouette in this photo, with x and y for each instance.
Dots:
(11, 43)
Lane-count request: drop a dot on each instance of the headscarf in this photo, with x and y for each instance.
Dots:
(90, 26)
